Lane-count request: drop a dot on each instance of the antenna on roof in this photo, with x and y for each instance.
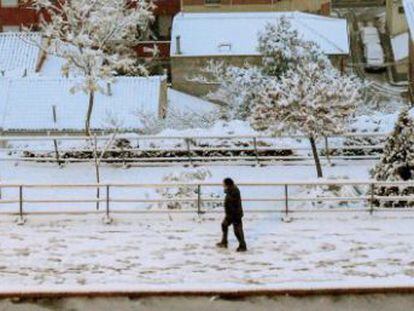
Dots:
(178, 45)
(109, 89)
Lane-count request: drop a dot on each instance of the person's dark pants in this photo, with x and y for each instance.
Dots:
(237, 227)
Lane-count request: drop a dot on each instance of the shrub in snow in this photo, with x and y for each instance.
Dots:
(86, 35)
(283, 49)
(236, 87)
(176, 120)
(325, 191)
(186, 192)
(397, 162)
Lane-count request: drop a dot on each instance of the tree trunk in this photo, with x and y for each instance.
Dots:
(94, 143)
(89, 113)
(97, 171)
(316, 157)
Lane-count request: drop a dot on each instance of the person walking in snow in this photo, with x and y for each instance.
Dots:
(233, 215)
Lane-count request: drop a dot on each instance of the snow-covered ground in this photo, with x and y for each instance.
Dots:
(178, 252)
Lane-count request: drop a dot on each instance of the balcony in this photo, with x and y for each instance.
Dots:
(144, 49)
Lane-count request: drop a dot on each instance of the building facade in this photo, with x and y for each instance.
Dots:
(315, 6)
(396, 21)
(409, 16)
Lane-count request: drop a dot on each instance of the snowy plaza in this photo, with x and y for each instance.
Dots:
(206, 155)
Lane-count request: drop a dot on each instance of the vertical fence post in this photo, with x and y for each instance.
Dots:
(327, 150)
(55, 143)
(20, 220)
(371, 208)
(190, 158)
(199, 199)
(107, 218)
(286, 218)
(256, 153)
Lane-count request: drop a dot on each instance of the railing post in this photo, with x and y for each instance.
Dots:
(286, 218)
(327, 151)
(256, 153)
(107, 218)
(190, 158)
(199, 200)
(20, 220)
(371, 208)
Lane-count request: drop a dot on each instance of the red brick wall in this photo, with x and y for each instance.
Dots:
(167, 7)
(17, 16)
(24, 15)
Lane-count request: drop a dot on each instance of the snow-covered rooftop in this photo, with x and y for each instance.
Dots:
(17, 53)
(207, 34)
(182, 102)
(26, 103)
(400, 46)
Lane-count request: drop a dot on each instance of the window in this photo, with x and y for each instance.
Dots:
(9, 3)
(401, 10)
(209, 2)
(11, 28)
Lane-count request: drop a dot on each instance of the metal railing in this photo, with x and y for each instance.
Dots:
(368, 198)
(193, 149)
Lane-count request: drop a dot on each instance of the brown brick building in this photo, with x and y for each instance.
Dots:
(314, 6)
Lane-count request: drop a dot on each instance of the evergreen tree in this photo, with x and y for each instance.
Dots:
(397, 162)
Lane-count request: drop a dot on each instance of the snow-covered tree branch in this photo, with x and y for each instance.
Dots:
(95, 39)
(295, 89)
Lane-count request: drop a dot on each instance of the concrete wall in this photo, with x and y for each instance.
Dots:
(316, 6)
(163, 102)
(411, 69)
(396, 21)
(184, 68)
(368, 302)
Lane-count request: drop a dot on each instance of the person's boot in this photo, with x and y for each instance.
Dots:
(222, 244)
(238, 231)
(224, 229)
(242, 248)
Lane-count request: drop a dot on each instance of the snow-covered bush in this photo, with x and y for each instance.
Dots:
(193, 175)
(176, 120)
(236, 87)
(329, 191)
(397, 162)
(283, 49)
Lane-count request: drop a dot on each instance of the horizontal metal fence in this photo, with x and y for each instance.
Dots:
(107, 203)
(190, 149)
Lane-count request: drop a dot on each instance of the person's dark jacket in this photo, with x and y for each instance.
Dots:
(232, 203)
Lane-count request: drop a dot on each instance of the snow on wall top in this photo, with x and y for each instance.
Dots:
(400, 46)
(208, 34)
(17, 54)
(26, 103)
